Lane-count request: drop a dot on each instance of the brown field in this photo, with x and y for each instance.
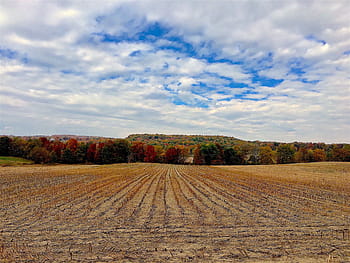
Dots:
(169, 213)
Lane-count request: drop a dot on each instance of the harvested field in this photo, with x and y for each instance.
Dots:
(173, 213)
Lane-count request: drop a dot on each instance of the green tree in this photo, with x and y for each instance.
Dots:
(4, 146)
(209, 152)
(108, 153)
(81, 153)
(123, 150)
(232, 157)
(285, 153)
(31, 144)
(17, 147)
(68, 156)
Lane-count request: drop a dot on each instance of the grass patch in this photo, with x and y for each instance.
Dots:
(9, 160)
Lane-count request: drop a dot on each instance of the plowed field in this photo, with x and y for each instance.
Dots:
(171, 213)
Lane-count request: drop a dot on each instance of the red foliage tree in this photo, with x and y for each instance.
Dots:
(98, 156)
(45, 142)
(91, 152)
(72, 144)
(172, 155)
(57, 148)
(150, 154)
(137, 151)
(198, 158)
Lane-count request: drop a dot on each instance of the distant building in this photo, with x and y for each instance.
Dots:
(189, 160)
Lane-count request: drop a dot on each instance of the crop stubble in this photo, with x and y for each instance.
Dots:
(158, 213)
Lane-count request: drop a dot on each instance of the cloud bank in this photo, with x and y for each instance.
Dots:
(257, 70)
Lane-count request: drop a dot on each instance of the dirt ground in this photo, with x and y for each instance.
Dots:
(174, 213)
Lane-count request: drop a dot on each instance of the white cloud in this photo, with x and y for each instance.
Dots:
(59, 75)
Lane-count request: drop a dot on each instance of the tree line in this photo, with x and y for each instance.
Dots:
(110, 151)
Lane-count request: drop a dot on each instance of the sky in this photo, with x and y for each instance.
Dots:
(255, 70)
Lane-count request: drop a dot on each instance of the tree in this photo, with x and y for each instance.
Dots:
(30, 145)
(17, 147)
(72, 144)
(91, 152)
(108, 153)
(150, 154)
(39, 155)
(219, 158)
(172, 155)
(285, 153)
(160, 154)
(198, 157)
(56, 148)
(209, 152)
(319, 155)
(98, 156)
(4, 146)
(246, 151)
(44, 142)
(304, 155)
(122, 150)
(341, 155)
(68, 156)
(137, 152)
(231, 156)
(266, 155)
(81, 152)
(254, 154)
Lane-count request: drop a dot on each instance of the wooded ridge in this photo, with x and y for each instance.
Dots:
(177, 149)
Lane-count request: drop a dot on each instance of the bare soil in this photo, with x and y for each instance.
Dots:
(173, 213)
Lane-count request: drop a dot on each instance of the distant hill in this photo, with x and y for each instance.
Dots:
(186, 140)
(63, 137)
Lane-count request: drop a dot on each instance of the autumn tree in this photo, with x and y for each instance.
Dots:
(44, 142)
(91, 152)
(17, 147)
(245, 151)
(341, 155)
(304, 155)
(150, 154)
(30, 145)
(160, 154)
(72, 144)
(254, 154)
(172, 155)
(56, 149)
(266, 155)
(319, 155)
(219, 158)
(137, 150)
(39, 155)
(198, 158)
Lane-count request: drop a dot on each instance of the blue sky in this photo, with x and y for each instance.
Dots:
(256, 70)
